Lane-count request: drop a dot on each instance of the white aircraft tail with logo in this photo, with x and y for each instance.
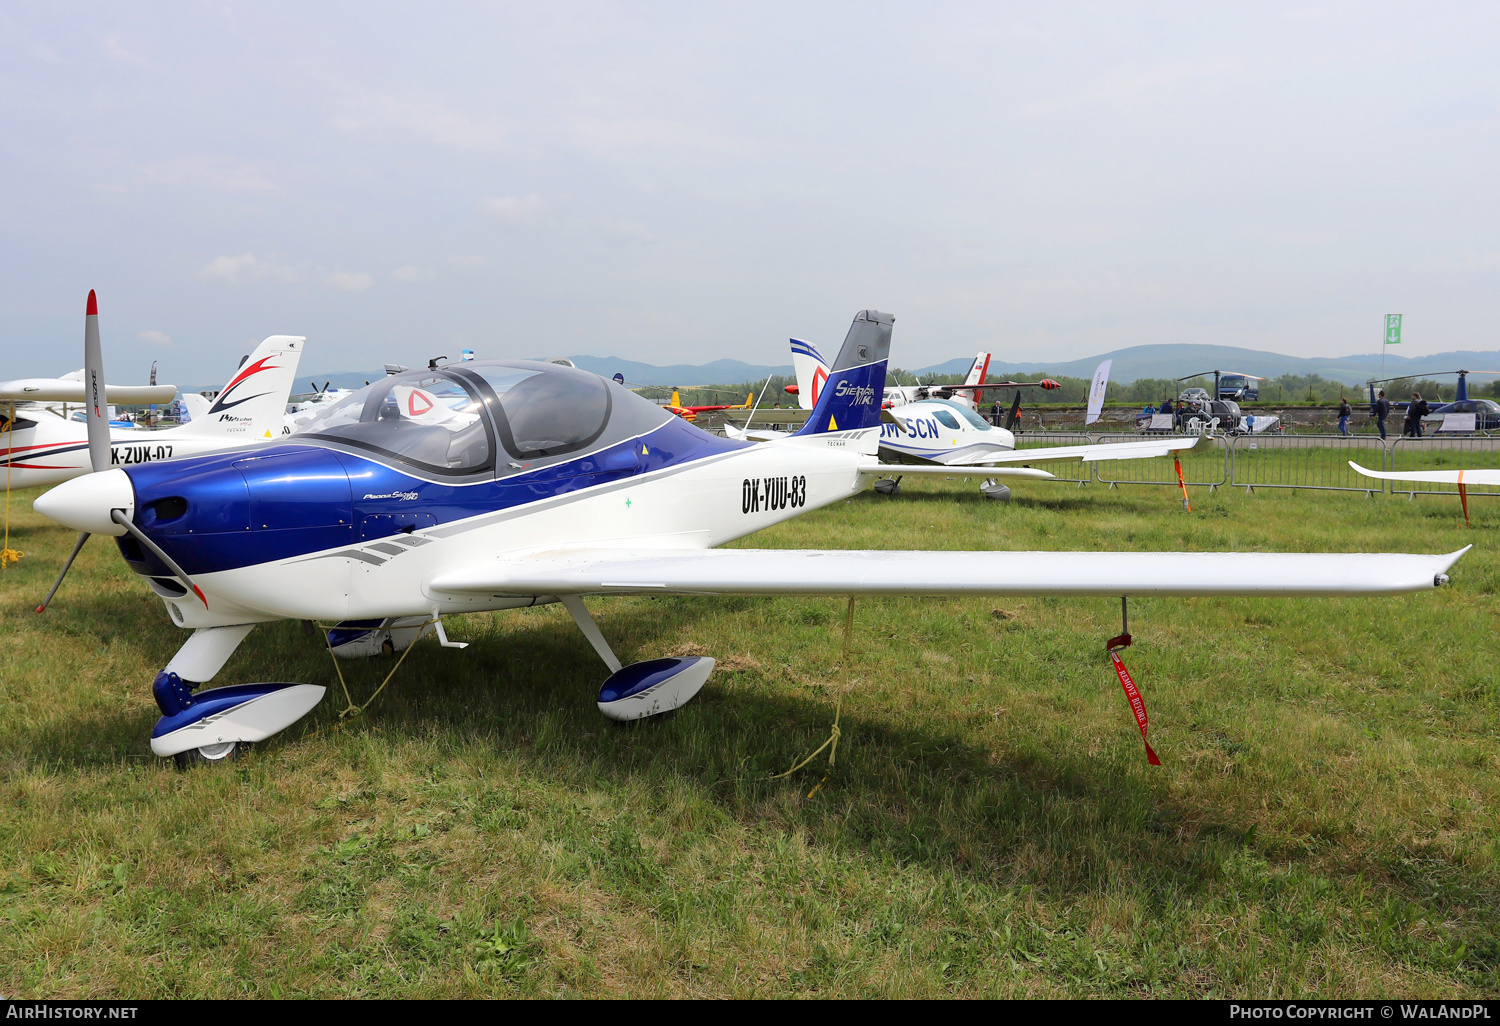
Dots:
(812, 372)
(979, 369)
(251, 407)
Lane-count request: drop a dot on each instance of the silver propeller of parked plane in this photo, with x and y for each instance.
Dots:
(96, 410)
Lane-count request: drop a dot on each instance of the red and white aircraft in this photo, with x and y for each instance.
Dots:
(41, 448)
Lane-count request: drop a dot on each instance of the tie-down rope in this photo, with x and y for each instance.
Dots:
(832, 744)
(354, 710)
(9, 555)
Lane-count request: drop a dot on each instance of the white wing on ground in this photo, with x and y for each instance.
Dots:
(1468, 477)
(952, 470)
(1144, 449)
(816, 572)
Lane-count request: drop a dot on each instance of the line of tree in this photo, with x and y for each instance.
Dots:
(1300, 389)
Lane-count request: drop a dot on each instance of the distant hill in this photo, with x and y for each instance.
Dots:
(1157, 361)
(720, 372)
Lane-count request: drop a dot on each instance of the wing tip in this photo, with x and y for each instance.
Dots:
(93, 307)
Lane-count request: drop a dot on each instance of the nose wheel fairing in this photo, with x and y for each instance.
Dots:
(210, 719)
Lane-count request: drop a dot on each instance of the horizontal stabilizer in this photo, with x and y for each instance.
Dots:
(62, 390)
(818, 572)
(1465, 477)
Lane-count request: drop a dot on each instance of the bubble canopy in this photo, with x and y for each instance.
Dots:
(462, 420)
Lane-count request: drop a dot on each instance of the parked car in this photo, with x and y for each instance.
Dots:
(1198, 415)
(1239, 387)
(1193, 395)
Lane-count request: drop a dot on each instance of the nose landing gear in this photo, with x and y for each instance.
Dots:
(216, 725)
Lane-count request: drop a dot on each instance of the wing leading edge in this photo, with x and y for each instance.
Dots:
(818, 572)
(1465, 477)
(1142, 449)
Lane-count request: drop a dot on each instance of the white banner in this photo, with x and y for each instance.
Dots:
(1162, 422)
(1096, 392)
(1458, 422)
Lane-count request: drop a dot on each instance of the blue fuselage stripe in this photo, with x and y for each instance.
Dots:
(277, 502)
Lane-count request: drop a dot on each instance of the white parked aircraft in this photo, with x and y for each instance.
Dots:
(41, 448)
(812, 371)
(929, 433)
(499, 484)
(300, 413)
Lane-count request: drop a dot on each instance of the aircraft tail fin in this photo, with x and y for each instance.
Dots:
(812, 372)
(850, 399)
(978, 370)
(252, 405)
(194, 406)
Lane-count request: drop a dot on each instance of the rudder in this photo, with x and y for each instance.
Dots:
(850, 398)
(252, 405)
(812, 372)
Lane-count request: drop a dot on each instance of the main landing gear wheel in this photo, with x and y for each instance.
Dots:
(992, 489)
(208, 754)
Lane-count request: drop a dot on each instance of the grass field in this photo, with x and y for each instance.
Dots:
(1324, 823)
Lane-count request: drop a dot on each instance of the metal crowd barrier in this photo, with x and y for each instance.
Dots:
(1078, 474)
(1305, 461)
(1315, 462)
(1204, 467)
(1443, 452)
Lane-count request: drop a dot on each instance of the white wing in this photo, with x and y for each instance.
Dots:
(951, 470)
(817, 572)
(1144, 449)
(62, 390)
(1468, 477)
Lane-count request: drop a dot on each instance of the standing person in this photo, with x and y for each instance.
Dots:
(1382, 411)
(997, 414)
(1344, 412)
(1416, 411)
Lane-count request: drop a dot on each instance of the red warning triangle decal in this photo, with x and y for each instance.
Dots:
(418, 396)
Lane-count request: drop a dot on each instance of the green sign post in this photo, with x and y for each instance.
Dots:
(1392, 337)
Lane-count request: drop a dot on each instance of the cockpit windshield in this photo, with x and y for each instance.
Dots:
(974, 420)
(432, 420)
(463, 418)
(547, 409)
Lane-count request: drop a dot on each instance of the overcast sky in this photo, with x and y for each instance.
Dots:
(684, 182)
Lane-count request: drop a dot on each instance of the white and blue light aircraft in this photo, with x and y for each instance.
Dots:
(935, 430)
(498, 484)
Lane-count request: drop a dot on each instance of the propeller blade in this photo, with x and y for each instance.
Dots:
(119, 517)
(95, 402)
(326, 384)
(1014, 417)
(77, 548)
(153, 372)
